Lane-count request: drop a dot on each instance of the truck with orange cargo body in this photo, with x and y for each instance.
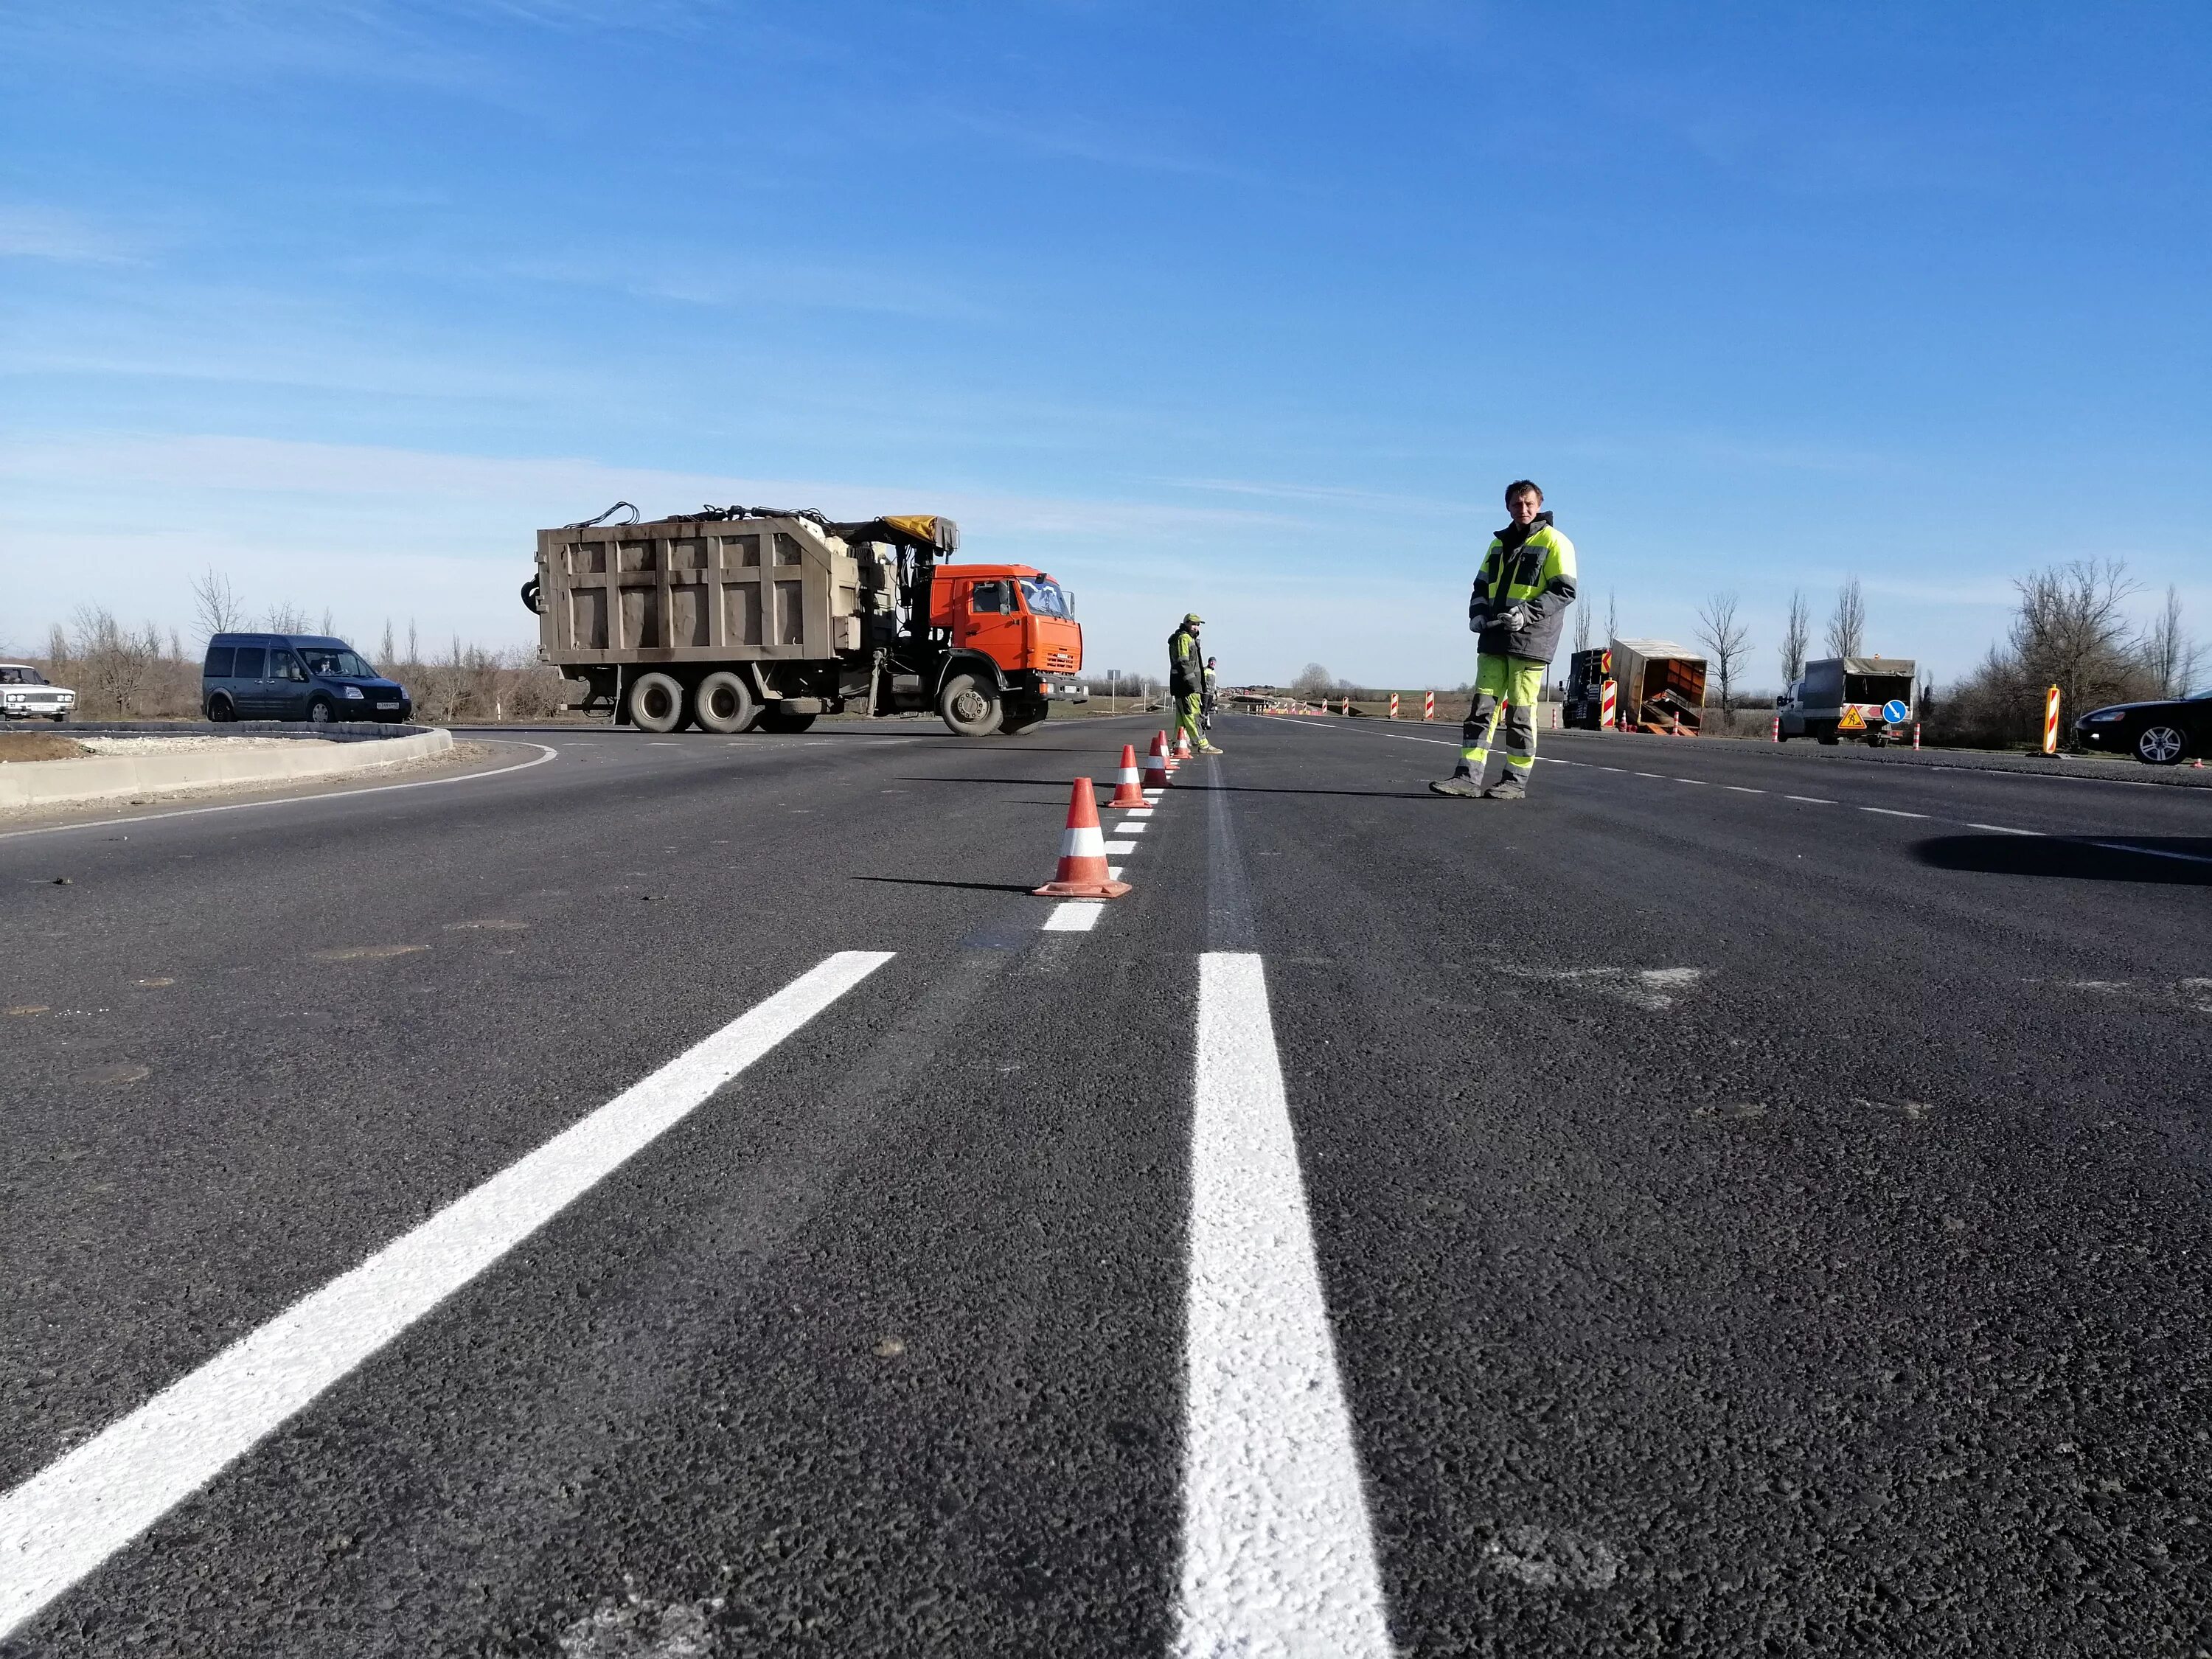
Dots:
(738, 619)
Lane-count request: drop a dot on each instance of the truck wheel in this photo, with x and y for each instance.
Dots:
(783, 725)
(971, 706)
(656, 702)
(723, 702)
(1023, 716)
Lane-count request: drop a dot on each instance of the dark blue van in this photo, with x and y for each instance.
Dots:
(294, 677)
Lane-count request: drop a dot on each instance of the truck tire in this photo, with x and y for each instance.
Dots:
(723, 702)
(1022, 715)
(970, 705)
(656, 702)
(783, 725)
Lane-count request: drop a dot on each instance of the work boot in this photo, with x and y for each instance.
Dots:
(1463, 784)
(1208, 748)
(1511, 787)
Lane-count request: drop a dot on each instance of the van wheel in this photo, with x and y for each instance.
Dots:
(219, 709)
(971, 706)
(320, 712)
(656, 702)
(723, 702)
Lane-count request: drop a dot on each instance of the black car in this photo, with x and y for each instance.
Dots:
(2160, 733)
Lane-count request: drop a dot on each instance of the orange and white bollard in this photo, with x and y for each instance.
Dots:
(1775, 736)
(1915, 735)
(2051, 722)
(1156, 762)
(1394, 705)
(1607, 707)
(1127, 792)
(1082, 871)
(1428, 705)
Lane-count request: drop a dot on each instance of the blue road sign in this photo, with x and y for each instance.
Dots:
(1895, 711)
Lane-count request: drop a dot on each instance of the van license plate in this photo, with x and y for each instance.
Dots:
(387, 705)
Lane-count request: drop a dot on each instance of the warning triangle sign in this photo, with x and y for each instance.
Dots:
(1852, 720)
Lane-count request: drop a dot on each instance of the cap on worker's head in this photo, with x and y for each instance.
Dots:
(1195, 620)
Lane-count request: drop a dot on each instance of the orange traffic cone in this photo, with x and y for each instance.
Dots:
(1182, 745)
(1156, 762)
(1082, 852)
(1125, 791)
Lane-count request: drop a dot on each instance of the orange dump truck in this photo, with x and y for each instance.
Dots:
(736, 619)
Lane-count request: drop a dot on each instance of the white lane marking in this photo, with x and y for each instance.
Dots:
(1117, 847)
(1125, 828)
(550, 753)
(1136, 812)
(1689, 779)
(65, 1521)
(1810, 800)
(1739, 789)
(1660, 776)
(2151, 852)
(1114, 872)
(1277, 1552)
(1075, 916)
(2003, 829)
(1892, 812)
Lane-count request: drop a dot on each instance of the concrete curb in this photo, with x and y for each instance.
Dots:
(103, 777)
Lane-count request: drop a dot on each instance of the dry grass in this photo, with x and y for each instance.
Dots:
(37, 746)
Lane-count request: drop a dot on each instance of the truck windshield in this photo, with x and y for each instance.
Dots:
(1044, 596)
(323, 660)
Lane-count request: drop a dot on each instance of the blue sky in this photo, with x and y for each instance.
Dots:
(1252, 309)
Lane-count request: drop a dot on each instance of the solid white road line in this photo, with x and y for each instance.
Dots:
(1075, 916)
(65, 1521)
(1277, 1554)
(1892, 812)
(2152, 852)
(550, 753)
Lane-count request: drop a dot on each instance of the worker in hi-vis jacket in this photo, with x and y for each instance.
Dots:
(1187, 682)
(1516, 610)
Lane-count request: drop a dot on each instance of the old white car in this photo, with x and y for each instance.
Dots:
(24, 692)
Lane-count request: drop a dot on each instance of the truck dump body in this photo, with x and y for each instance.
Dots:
(1662, 686)
(738, 616)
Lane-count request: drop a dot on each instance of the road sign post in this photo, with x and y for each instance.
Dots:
(2051, 722)
(1428, 705)
(1608, 707)
(1394, 705)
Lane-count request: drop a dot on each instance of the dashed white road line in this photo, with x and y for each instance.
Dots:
(2152, 852)
(1117, 847)
(1810, 800)
(1892, 812)
(1737, 788)
(2003, 829)
(1075, 916)
(63, 1522)
(1125, 828)
(1277, 1551)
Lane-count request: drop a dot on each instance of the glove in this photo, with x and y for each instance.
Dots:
(1514, 618)
(1478, 615)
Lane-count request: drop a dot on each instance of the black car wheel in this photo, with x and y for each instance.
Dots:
(220, 709)
(2162, 745)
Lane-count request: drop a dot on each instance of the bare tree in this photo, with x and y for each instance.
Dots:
(1612, 622)
(1847, 622)
(216, 603)
(1725, 636)
(286, 618)
(2169, 655)
(1797, 635)
(383, 660)
(329, 627)
(2071, 631)
(1582, 628)
(1312, 681)
(112, 663)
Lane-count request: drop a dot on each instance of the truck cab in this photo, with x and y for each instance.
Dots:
(1022, 625)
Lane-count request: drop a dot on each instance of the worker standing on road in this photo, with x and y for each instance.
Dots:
(1209, 698)
(1518, 606)
(1187, 681)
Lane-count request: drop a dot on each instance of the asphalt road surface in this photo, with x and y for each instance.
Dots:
(685, 1196)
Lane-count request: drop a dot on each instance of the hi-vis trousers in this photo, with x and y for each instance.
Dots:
(1514, 682)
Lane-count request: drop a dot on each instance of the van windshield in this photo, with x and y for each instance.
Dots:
(322, 659)
(1045, 598)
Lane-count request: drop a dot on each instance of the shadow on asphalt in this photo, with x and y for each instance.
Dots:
(2168, 860)
(971, 886)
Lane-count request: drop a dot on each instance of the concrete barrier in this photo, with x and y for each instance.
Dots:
(107, 777)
